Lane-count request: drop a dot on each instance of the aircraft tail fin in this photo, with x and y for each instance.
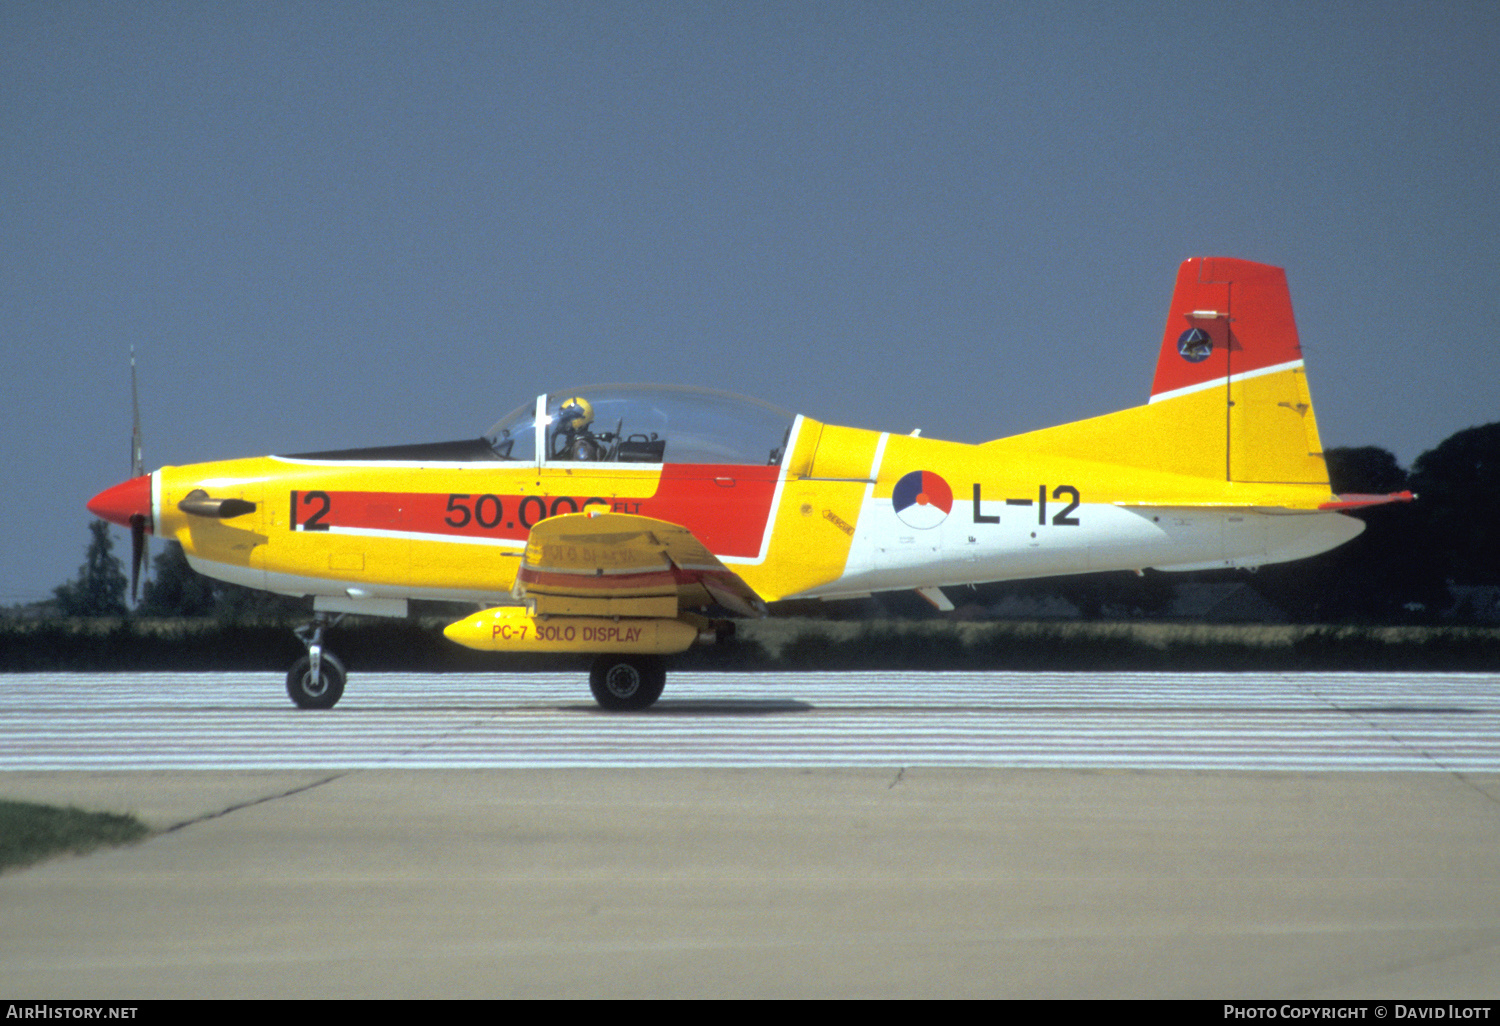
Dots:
(1229, 401)
(1230, 350)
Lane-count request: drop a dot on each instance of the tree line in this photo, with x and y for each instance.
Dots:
(172, 589)
(1414, 560)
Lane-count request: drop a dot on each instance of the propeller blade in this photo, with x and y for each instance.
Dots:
(138, 554)
(137, 462)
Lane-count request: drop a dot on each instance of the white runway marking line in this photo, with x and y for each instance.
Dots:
(1087, 720)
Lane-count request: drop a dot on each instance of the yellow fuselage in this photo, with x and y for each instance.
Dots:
(846, 511)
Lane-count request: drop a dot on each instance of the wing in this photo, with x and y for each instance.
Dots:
(619, 564)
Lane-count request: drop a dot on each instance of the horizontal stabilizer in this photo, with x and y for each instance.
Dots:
(1354, 501)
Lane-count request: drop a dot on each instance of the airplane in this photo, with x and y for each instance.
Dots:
(632, 521)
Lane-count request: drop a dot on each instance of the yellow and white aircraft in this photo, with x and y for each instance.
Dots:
(627, 520)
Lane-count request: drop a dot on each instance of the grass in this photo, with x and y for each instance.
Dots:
(30, 832)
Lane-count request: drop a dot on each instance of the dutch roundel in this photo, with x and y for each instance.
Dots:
(922, 499)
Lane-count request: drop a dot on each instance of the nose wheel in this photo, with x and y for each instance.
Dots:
(316, 681)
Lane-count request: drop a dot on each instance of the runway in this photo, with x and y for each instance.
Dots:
(764, 835)
(1290, 722)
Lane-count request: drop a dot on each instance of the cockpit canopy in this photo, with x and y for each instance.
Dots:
(643, 424)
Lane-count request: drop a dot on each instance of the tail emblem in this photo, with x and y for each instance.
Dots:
(1194, 345)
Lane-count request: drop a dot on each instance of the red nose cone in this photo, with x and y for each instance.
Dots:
(123, 501)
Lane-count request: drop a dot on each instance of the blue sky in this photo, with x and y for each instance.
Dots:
(328, 225)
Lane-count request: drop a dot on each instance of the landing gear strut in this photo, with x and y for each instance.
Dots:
(316, 681)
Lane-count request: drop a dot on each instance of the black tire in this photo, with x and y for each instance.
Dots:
(325, 692)
(625, 683)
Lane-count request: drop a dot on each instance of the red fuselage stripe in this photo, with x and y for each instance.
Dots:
(726, 507)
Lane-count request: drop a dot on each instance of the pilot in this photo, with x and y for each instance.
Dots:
(573, 440)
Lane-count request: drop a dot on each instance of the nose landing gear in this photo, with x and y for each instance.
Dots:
(316, 681)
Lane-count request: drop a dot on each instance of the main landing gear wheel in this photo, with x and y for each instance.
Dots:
(623, 683)
(320, 692)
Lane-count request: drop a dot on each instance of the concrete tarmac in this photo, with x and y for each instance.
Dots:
(765, 883)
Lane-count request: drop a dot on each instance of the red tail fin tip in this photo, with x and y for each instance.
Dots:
(1228, 318)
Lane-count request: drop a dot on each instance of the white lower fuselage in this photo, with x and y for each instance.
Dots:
(967, 548)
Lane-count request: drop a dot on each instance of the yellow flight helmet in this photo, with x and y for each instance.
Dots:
(576, 414)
